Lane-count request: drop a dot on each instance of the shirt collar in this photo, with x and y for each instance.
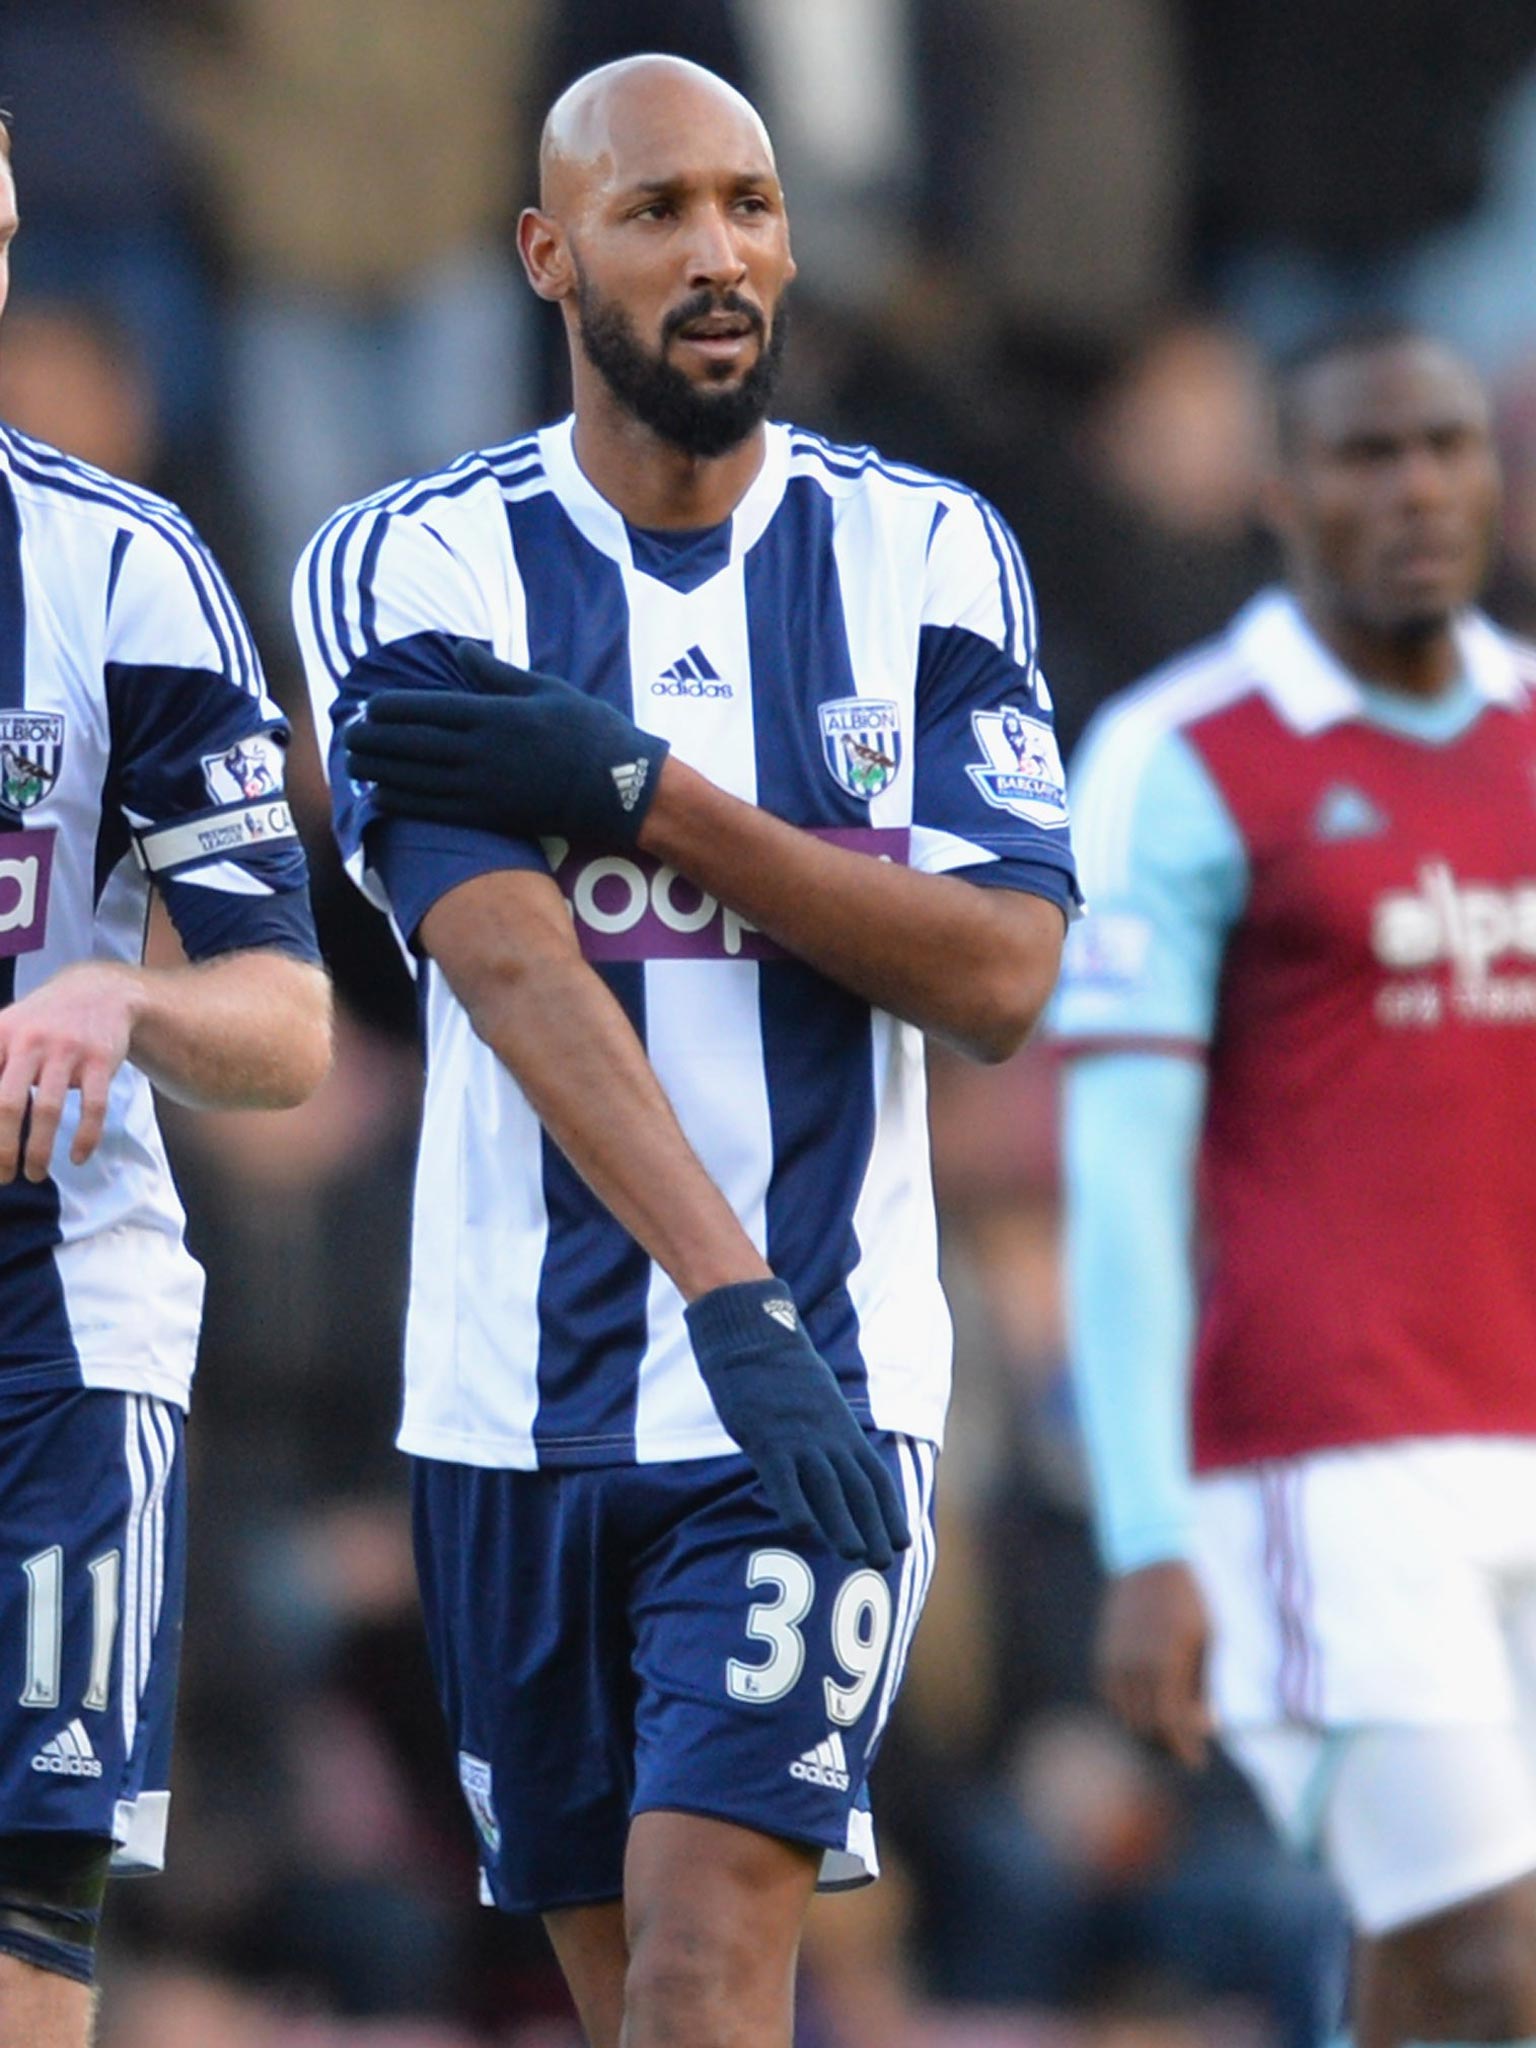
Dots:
(1312, 689)
(603, 525)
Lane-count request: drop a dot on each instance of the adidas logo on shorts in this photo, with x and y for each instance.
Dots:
(68, 1754)
(826, 1764)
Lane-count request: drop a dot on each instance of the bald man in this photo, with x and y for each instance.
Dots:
(703, 768)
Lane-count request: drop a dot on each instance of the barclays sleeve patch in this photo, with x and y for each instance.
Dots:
(1021, 770)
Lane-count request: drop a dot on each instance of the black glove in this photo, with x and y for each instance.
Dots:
(518, 752)
(778, 1398)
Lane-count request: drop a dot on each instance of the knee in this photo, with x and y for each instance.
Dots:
(686, 1986)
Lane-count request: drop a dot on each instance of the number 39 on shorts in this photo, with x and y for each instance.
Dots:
(860, 1625)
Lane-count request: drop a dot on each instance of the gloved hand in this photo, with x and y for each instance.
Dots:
(778, 1398)
(516, 752)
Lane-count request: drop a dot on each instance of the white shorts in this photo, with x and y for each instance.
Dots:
(1374, 1664)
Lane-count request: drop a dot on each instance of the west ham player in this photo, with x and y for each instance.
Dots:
(138, 754)
(683, 771)
(1309, 984)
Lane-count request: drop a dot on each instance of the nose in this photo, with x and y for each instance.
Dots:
(714, 257)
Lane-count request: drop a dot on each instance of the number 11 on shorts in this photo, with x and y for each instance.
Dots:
(45, 1627)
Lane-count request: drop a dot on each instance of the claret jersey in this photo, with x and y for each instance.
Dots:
(136, 742)
(1329, 894)
(854, 650)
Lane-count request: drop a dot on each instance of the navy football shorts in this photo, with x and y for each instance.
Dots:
(92, 1550)
(610, 1641)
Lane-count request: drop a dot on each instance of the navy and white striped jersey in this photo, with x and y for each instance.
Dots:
(853, 650)
(136, 740)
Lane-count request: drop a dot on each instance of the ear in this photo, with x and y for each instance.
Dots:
(546, 254)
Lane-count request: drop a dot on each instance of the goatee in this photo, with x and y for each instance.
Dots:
(689, 416)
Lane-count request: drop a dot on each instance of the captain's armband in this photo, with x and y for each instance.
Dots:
(222, 833)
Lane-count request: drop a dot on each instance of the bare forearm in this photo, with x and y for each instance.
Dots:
(245, 1031)
(972, 966)
(556, 1027)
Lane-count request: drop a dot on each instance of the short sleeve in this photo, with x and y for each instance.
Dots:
(1165, 874)
(989, 786)
(381, 601)
(196, 771)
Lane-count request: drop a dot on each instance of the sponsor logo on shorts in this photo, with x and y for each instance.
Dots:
(26, 869)
(826, 1764)
(68, 1754)
(1021, 770)
(1471, 928)
(245, 770)
(630, 907)
(31, 754)
(861, 744)
(475, 1777)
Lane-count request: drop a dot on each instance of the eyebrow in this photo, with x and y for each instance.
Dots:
(660, 187)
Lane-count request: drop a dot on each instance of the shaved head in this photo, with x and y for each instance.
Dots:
(661, 234)
(606, 117)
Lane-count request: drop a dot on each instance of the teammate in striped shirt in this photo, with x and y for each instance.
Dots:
(704, 767)
(140, 764)
(1307, 984)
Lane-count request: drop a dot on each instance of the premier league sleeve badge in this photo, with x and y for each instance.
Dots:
(1021, 771)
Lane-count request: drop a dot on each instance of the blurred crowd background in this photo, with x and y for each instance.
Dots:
(266, 265)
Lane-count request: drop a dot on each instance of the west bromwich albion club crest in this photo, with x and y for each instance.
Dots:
(31, 754)
(1022, 770)
(861, 744)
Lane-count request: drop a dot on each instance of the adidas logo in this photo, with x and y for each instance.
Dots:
(629, 781)
(826, 1764)
(691, 675)
(782, 1312)
(1346, 813)
(68, 1755)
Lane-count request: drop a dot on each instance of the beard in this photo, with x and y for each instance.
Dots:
(688, 416)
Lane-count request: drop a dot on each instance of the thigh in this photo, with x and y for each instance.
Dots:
(92, 1550)
(1411, 1822)
(767, 1669)
(524, 1601)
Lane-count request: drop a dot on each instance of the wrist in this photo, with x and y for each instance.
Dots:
(115, 981)
(670, 823)
(734, 1316)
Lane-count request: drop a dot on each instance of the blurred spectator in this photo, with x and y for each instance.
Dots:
(1054, 155)
(1308, 212)
(706, 32)
(303, 1223)
(362, 161)
(850, 161)
(1472, 281)
(71, 375)
(1158, 539)
(107, 213)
